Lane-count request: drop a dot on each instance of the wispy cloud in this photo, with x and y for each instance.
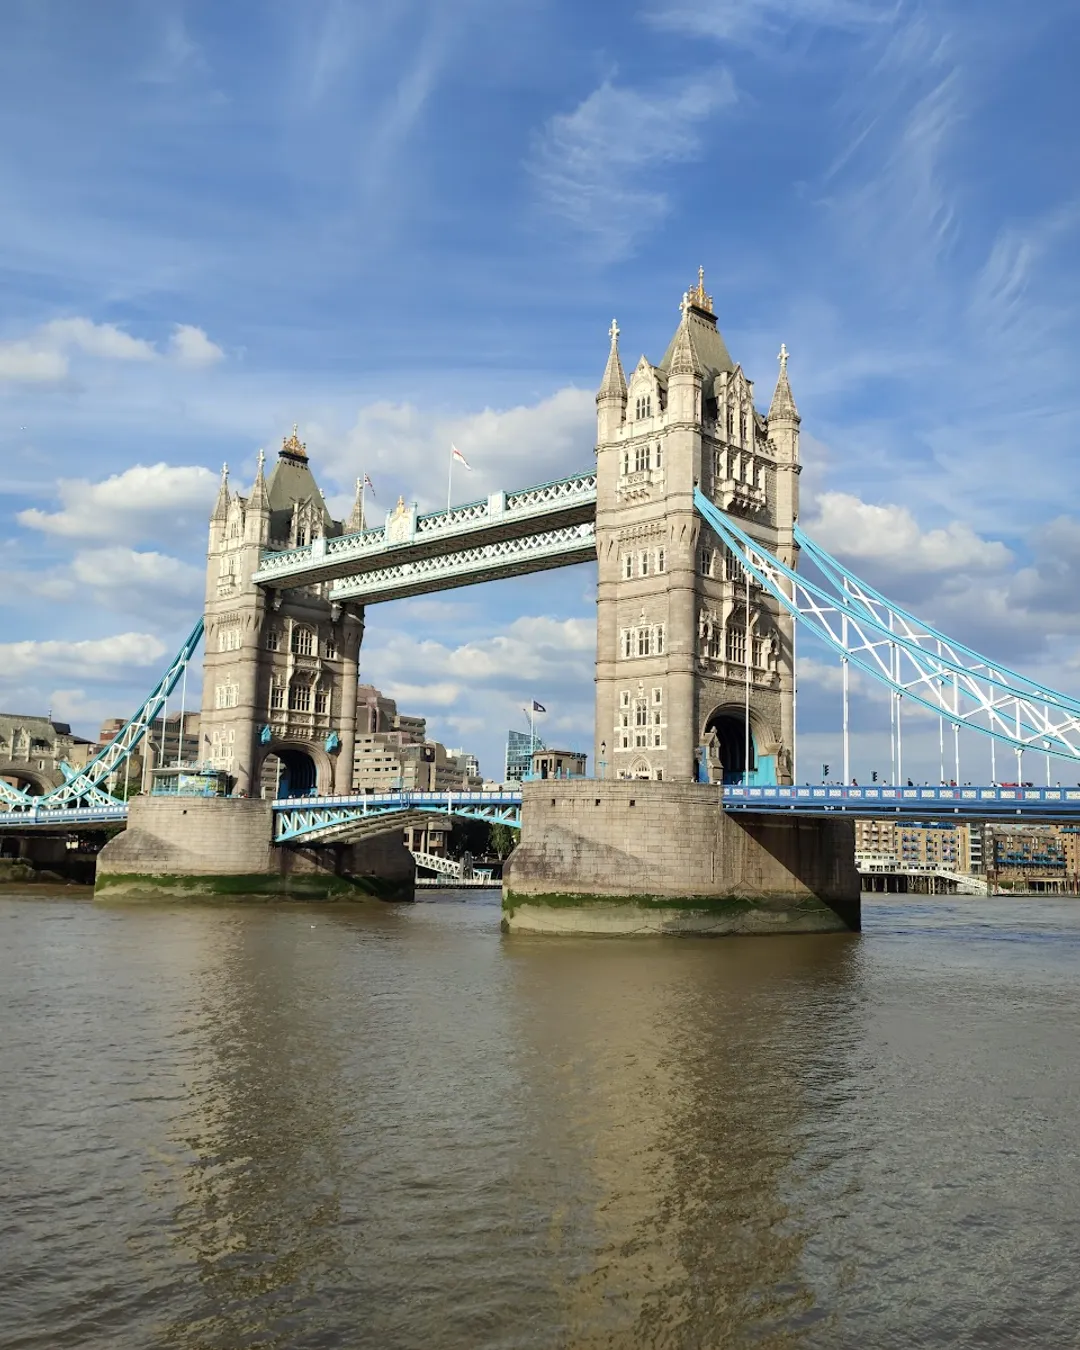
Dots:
(750, 20)
(591, 165)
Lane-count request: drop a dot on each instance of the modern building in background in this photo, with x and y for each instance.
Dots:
(1030, 857)
(392, 753)
(913, 844)
(520, 748)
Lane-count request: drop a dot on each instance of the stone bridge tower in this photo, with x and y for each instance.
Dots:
(280, 666)
(674, 631)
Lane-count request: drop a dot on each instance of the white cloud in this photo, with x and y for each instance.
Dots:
(486, 682)
(143, 502)
(23, 362)
(95, 658)
(43, 357)
(191, 347)
(591, 164)
(891, 536)
(403, 447)
(143, 584)
(96, 339)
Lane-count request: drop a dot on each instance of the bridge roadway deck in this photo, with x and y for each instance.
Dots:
(407, 539)
(305, 817)
(971, 801)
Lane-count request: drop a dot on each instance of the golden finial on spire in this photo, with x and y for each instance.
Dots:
(697, 296)
(293, 445)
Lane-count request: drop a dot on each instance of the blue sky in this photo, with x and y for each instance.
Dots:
(403, 224)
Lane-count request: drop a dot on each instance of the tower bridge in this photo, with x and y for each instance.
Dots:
(704, 579)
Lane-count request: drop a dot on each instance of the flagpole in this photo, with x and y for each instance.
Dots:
(450, 479)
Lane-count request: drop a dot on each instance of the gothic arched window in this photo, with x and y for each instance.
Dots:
(303, 641)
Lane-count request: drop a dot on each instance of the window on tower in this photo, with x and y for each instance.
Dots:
(303, 641)
(300, 696)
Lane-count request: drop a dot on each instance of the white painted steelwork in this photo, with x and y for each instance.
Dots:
(467, 567)
(407, 538)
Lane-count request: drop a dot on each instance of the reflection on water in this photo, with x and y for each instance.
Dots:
(288, 1127)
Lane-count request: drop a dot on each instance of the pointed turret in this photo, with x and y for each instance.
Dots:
(680, 355)
(611, 396)
(259, 500)
(613, 385)
(783, 406)
(356, 521)
(221, 506)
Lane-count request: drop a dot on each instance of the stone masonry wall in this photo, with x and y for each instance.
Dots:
(587, 843)
(222, 845)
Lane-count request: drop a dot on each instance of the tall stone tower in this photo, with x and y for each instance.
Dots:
(280, 666)
(680, 652)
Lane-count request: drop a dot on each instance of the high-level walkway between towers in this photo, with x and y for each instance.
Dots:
(504, 535)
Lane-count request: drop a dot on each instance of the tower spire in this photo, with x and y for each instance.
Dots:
(259, 499)
(613, 385)
(783, 401)
(221, 506)
(681, 355)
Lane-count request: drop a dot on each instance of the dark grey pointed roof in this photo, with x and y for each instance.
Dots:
(291, 481)
(706, 343)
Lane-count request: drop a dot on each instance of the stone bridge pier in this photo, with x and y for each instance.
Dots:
(646, 857)
(214, 847)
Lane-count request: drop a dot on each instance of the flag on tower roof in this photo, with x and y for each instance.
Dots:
(456, 454)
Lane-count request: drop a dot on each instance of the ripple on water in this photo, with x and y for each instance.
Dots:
(226, 1128)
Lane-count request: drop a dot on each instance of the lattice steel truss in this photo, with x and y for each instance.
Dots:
(84, 786)
(503, 515)
(466, 567)
(327, 821)
(911, 658)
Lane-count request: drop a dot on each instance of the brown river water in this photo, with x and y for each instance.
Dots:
(261, 1126)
